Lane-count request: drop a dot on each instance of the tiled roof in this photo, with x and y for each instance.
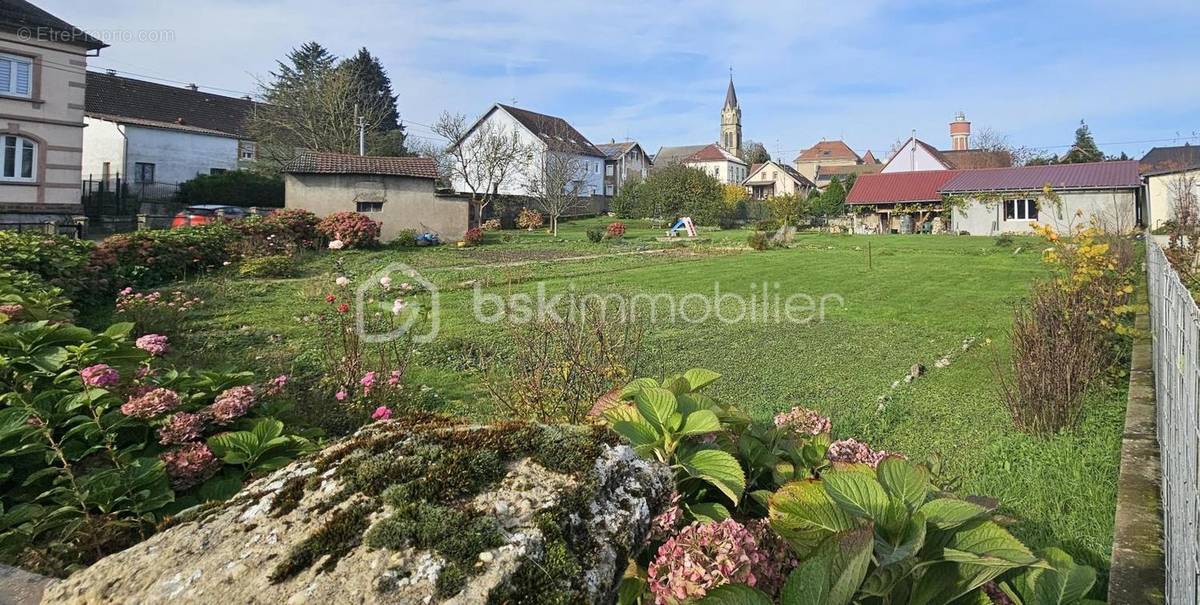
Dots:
(827, 150)
(825, 173)
(976, 158)
(315, 162)
(159, 105)
(1094, 175)
(673, 155)
(616, 150)
(869, 158)
(1161, 160)
(894, 187)
(757, 169)
(23, 17)
(713, 153)
(795, 174)
(554, 131)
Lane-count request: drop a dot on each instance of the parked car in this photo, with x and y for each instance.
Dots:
(204, 214)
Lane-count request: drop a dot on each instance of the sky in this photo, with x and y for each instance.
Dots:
(863, 71)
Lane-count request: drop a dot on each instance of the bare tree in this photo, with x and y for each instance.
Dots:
(997, 142)
(559, 177)
(482, 159)
(314, 113)
(436, 152)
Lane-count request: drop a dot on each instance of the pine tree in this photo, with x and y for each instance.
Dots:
(1084, 149)
(375, 96)
(305, 64)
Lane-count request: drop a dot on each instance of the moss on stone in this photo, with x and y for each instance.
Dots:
(450, 581)
(288, 497)
(341, 534)
(455, 535)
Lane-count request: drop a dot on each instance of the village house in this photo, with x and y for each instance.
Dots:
(625, 160)
(396, 191)
(720, 163)
(156, 136)
(1171, 176)
(827, 160)
(991, 201)
(915, 154)
(540, 133)
(43, 60)
(772, 178)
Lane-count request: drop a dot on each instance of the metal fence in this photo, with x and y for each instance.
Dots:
(1175, 323)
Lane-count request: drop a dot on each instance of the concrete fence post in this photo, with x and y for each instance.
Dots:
(81, 226)
(50, 228)
(143, 222)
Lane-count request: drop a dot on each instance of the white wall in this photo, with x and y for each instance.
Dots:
(1112, 207)
(1161, 198)
(178, 156)
(102, 142)
(722, 170)
(903, 161)
(518, 182)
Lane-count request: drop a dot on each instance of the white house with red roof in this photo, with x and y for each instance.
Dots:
(722, 165)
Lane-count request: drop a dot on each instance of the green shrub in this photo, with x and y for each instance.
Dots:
(282, 232)
(595, 234)
(151, 257)
(1004, 240)
(234, 188)
(758, 241)
(101, 440)
(269, 266)
(767, 224)
(55, 260)
(673, 192)
(405, 238)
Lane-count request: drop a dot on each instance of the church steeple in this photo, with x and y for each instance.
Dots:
(731, 120)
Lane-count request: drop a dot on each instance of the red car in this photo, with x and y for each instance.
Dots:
(204, 214)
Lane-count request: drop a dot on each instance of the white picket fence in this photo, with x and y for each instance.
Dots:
(1175, 322)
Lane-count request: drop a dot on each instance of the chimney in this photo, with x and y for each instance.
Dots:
(960, 133)
(193, 87)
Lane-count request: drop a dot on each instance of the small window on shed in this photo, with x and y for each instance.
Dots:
(369, 206)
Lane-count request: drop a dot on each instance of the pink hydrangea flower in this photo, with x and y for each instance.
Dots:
(850, 450)
(154, 344)
(340, 395)
(664, 525)
(12, 309)
(803, 422)
(232, 404)
(100, 375)
(381, 413)
(781, 559)
(189, 465)
(368, 381)
(701, 557)
(183, 427)
(150, 404)
(394, 378)
(276, 385)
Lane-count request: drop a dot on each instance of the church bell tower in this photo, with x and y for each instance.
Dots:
(731, 121)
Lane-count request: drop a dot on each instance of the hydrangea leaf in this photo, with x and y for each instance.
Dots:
(708, 512)
(632, 389)
(700, 422)
(717, 467)
(948, 513)
(848, 564)
(904, 479)
(808, 583)
(804, 514)
(656, 405)
(698, 378)
(735, 594)
(859, 494)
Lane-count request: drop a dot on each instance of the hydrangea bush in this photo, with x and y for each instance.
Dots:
(101, 439)
(354, 230)
(797, 518)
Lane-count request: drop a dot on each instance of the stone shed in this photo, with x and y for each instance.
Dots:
(396, 191)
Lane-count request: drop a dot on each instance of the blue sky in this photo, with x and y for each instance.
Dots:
(864, 71)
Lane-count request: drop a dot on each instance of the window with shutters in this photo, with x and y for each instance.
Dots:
(16, 75)
(20, 158)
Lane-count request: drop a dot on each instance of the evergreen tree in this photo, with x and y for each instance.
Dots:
(375, 96)
(1084, 149)
(833, 199)
(303, 65)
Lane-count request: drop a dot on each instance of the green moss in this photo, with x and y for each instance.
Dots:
(455, 535)
(450, 581)
(288, 497)
(341, 534)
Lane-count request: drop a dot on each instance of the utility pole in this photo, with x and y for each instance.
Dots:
(361, 123)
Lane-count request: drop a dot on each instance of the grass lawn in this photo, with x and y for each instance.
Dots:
(921, 297)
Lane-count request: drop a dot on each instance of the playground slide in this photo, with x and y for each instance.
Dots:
(683, 223)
